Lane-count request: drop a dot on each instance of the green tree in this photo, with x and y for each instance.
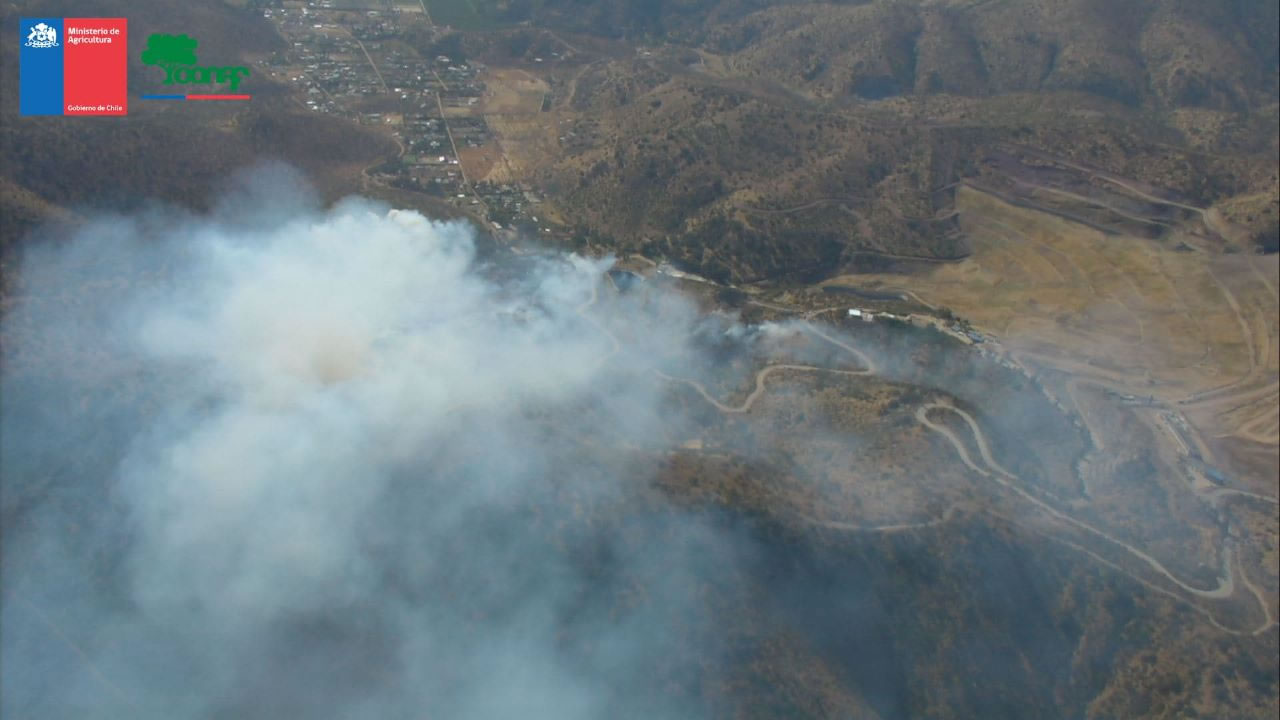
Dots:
(168, 52)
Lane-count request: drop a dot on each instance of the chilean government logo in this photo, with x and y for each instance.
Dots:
(42, 36)
(73, 66)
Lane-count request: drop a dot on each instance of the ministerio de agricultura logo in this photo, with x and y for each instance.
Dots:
(42, 36)
(73, 66)
(79, 66)
(176, 56)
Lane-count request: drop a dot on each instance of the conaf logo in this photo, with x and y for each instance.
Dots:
(176, 55)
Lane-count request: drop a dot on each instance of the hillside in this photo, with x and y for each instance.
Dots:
(800, 139)
(1213, 55)
(1187, 53)
(969, 409)
(749, 185)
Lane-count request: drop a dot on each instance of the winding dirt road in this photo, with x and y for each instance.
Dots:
(993, 470)
(868, 368)
(1226, 581)
(1230, 568)
(759, 388)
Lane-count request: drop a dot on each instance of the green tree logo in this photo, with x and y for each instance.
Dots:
(170, 52)
(176, 55)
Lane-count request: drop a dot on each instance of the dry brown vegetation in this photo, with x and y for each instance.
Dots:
(1093, 191)
(1193, 329)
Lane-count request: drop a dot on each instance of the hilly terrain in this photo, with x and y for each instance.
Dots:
(795, 140)
(916, 358)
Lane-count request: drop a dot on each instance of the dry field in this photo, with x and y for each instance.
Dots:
(518, 138)
(482, 163)
(1194, 332)
(512, 108)
(513, 92)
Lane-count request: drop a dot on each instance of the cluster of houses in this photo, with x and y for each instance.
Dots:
(510, 205)
(343, 57)
(333, 48)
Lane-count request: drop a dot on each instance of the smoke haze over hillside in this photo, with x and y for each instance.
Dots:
(283, 461)
(319, 464)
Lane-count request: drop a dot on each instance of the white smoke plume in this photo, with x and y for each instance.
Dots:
(287, 462)
(330, 464)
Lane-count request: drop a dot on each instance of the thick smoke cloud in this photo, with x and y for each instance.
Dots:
(288, 462)
(332, 464)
